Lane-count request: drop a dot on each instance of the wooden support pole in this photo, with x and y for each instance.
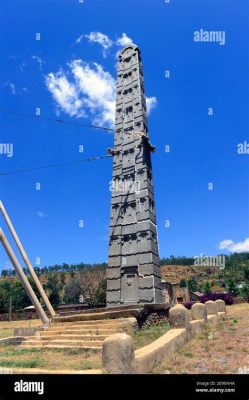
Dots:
(27, 262)
(23, 278)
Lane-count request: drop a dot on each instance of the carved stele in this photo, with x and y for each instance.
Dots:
(133, 275)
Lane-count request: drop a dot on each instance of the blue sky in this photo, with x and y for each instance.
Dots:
(70, 72)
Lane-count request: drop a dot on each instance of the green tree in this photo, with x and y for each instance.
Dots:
(72, 290)
(183, 283)
(192, 285)
(206, 287)
(54, 286)
(232, 287)
(246, 273)
(245, 291)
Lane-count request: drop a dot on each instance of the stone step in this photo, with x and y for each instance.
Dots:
(98, 316)
(94, 322)
(70, 336)
(76, 331)
(74, 343)
(60, 346)
(73, 334)
(88, 326)
(102, 310)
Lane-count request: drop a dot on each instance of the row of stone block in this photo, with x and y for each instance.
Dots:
(146, 296)
(133, 259)
(119, 355)
(179, 316)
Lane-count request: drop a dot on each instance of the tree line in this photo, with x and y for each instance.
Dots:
(233, 261)
(67, 284)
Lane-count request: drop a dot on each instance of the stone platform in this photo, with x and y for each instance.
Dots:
(88, 330)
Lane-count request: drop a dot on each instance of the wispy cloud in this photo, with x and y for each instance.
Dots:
(98, 88)
(87, 90)
(39, 61)
(97, 37)
(41, 214)
(104, 41)
(11, 86)
(238, 247)
(124, 40)
(65, 94)
(151, 102)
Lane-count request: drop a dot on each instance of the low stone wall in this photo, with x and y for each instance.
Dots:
(26, 331)
(184, 327)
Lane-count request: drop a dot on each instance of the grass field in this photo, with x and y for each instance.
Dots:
(50, 359)
(147, 335)
(7, 328)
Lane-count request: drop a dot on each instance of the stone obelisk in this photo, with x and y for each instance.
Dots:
(133, 275)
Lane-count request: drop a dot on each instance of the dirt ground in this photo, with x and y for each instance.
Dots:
(222, 349)
(49, 359)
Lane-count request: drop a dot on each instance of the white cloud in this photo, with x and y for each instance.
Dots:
(65, 94)
(91, 91)
(234, 247)
(98, 89)
(23, 66)
(104, 41)
(151, 102)
(11, 87)
(39, 60)
(79, 39)
(41, 214)
(97, 37)
(124, 40)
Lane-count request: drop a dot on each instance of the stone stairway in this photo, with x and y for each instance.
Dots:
(88, 335)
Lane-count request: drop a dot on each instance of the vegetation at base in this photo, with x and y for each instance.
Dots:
(226, 297)
(22, 364)
(206, 287)
(64, 284)
(150, 333)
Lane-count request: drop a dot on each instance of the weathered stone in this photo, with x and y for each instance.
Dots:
(221, 306)
(113, 295)
(199, 311)
(212, 308)
(118, 355)
(179, 317)
(19, 331)
(133, 230)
